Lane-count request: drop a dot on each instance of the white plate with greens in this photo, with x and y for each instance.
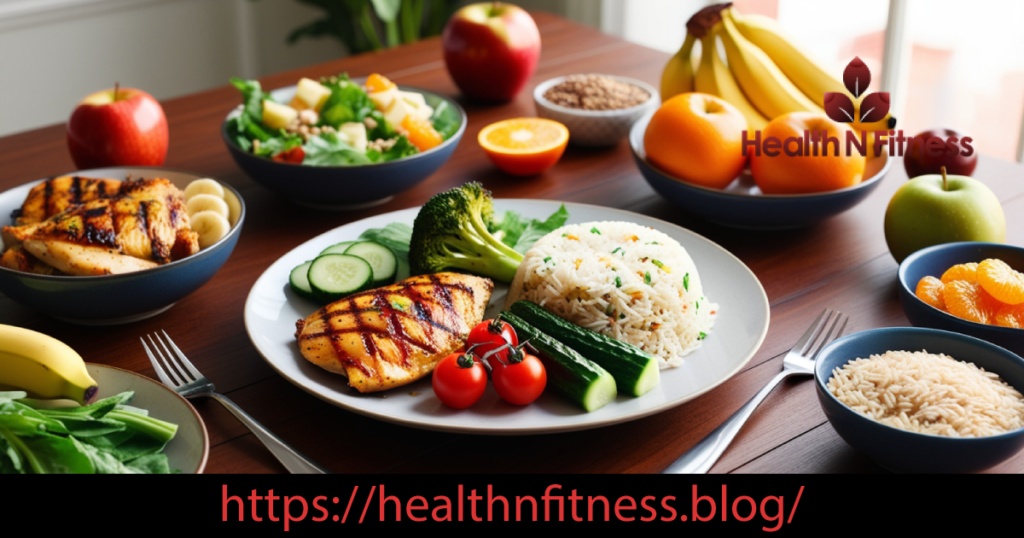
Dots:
(272, 309)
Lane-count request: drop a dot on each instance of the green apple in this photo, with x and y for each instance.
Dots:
(933, 209)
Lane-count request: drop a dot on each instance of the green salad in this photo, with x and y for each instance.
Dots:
(337, 122)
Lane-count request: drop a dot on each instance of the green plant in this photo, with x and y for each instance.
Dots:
(358, 23)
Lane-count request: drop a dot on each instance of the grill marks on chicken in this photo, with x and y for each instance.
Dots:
(394, 335)
(144, 225)
(57, 194)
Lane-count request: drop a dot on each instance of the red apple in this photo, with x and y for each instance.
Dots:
(920, 159)
(118, 127)
(491, 50)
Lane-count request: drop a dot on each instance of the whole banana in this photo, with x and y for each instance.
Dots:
(43, 366)
(678, 74)
(812, 77)
(713, 77)
(761, 80)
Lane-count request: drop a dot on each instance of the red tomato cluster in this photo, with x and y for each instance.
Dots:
(460, 378)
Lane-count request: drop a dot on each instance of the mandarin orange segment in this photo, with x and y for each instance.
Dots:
(929, 290)
(524, 146)
(377, 83)
(967, 300)
(964, 271)
(421, 133)
(1001, 281)
(1010, 316)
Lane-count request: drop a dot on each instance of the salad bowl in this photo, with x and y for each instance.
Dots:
(345, 187)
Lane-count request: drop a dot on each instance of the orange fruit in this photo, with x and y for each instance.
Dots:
(965, 271)
(421, 133)
(794, 173)
(968, 300)
(929, 290)
(524, 146)
(1001, 281)
(377, 83)
(1010, 316)
(697, 138)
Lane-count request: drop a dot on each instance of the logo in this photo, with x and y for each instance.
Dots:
(874, 107)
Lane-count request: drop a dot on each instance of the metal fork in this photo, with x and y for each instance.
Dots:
(176, 371)
(799, 361)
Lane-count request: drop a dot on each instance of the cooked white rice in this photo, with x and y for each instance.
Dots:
(624, 280)
(926, 393)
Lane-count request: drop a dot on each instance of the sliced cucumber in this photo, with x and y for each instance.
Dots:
(577, 378)
(337, 249)
(381, 259)
(299, 281)
(635, 370)
(333, 276)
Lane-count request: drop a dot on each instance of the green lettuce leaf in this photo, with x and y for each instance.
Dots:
(401, 148)
(328, 150)
(347, 103)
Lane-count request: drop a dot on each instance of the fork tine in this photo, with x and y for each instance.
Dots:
(156, 365)
(182, 358)
(812, 332)
(168, 365)
(828, 337)
(177, 363)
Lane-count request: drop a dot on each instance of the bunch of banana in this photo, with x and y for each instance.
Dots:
(42, 366)
(768, 73)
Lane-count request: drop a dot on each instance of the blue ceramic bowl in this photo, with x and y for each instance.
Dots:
(742, 205)
(345, 187)
(116, 299)
(933, 261)
(902, 451)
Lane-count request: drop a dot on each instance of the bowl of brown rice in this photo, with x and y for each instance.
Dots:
(597, 109)
(923, 400)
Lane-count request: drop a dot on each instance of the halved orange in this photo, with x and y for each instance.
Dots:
(524, 146)
(1001, 281)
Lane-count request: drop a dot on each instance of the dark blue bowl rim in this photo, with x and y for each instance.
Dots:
(235, 230)
(464, 119)
(746, 196)
(909, 260)
(823, 387)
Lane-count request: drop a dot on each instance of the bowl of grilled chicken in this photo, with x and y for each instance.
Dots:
(113, 245)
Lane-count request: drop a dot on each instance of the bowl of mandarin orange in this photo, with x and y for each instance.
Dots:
(700, 153)
(971, 288)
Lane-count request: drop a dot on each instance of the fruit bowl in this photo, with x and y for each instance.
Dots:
(742, 205)
(345, 187)
(121, 298)
(934, 261)
(912, 452)
(595, 127)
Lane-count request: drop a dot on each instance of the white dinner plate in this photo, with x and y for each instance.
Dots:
(271, 311)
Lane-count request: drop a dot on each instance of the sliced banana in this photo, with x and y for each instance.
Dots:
(204, 186)
(211, 227)
(207, 202)
(234, 206)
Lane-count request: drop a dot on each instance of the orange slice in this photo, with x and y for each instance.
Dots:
(1001, 281)
(964, 271)
(524, 146)
(929, 290)
(1010, 316)
(377, 83)
(968, 300)
(421, 133)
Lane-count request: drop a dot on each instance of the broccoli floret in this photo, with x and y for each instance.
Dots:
(450, 232)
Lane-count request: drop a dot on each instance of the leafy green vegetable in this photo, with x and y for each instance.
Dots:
(401, 148)
(535, 229)
(107, 436)
(446, 120)
(329, 150)
(347, 103)
(396, 236)
(276, 145)
(249, 123)
(381, 128)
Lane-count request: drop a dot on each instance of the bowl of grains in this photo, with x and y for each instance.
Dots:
(923, 400)
(597, 109)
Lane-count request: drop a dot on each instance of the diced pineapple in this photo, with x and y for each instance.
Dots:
(396, 112)
(355, 134)
(310, 95)
(384, 98)
(418, 106)
(278, 116)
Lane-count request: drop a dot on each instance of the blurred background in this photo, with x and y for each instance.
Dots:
(947, 62)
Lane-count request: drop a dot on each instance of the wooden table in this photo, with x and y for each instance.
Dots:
(842, 263)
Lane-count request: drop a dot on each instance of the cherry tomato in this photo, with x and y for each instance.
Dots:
(522, 380)
(295, 156)
(489, 335)
(459, 381)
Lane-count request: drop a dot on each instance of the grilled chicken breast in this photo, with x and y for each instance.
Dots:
(391, 336)
(57, 194)
(19, 260)
(146, 222)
